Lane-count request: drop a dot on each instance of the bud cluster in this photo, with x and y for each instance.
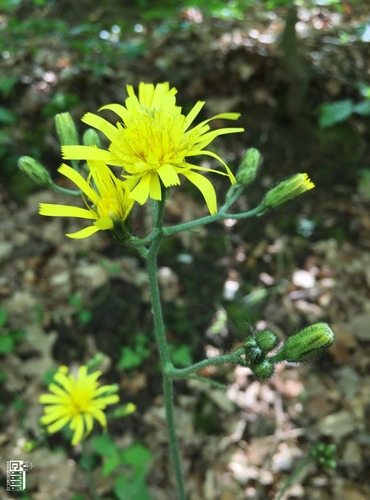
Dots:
(301, 346)
(255, 353)
(324, 454)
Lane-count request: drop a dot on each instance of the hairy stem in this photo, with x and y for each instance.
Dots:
(160, 335)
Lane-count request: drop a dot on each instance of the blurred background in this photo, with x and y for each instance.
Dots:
(299, 74)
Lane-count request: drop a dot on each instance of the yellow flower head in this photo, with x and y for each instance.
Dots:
(77, 402)
(153, 141)
(110, 204)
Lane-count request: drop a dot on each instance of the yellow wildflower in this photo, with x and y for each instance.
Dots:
(77, 402)
(110, 204)
(153, 141)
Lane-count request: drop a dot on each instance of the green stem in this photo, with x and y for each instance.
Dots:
(160, 335)
(62, 190)
(178, 373)
(89, 473)
(292, 478)
(222, 214)
(208, 381)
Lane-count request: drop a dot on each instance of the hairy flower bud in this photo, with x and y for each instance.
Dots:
(305, 344)
(91, 138)
(263, 370)
(66, 129)
(287, 190)
(252, 352)
(34, 170)
(266, 340)
(249, 166)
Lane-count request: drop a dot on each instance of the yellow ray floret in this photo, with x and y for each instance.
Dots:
(109, 201)
(76, 401)
(153, 142)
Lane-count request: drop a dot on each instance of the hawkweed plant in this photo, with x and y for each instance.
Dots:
(155, 146)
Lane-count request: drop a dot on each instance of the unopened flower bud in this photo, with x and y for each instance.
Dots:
(249, 166)
(91, 138)
(266, 340)
(263, 370)
(34, 170)
(306, 343)
(252, 352)
(287, 190)
(95, 363)
(66, 129)
(324, 455)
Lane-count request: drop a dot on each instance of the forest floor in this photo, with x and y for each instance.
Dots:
(306, 263)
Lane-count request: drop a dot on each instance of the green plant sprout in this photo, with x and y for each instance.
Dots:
(132, 357)
(83, 313)
(154, 144)
(8, 337)
(322, 454)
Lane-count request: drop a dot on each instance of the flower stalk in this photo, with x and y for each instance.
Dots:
(160, 335)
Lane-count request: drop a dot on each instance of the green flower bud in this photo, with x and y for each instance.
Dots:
(249, 166)
(323, 454)
(266, 340)
(287, 190)
(124, 410)
(263, 370)
(306, 343)
(252, 352)
(330, 450)
(91, 138)
(95, 363)
(34, 170)
(66, 129)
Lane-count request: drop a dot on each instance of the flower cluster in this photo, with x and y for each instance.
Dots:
(76, 401)
(153, 143)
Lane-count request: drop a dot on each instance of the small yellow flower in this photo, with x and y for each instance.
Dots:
(77, 402)
(110, 203)
(153, 141)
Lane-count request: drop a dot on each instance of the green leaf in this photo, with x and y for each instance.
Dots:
(18, 334)
(125, 489)
(7, 116)
(362, 108)
(111, 463)
(3, 317)
(104, 445)
(335, 112)
(6, 344)
(84, 316)
(137, 456)
(181, 355)
(75, 300)
(6, 84)
(129, 359)
(48, 377)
